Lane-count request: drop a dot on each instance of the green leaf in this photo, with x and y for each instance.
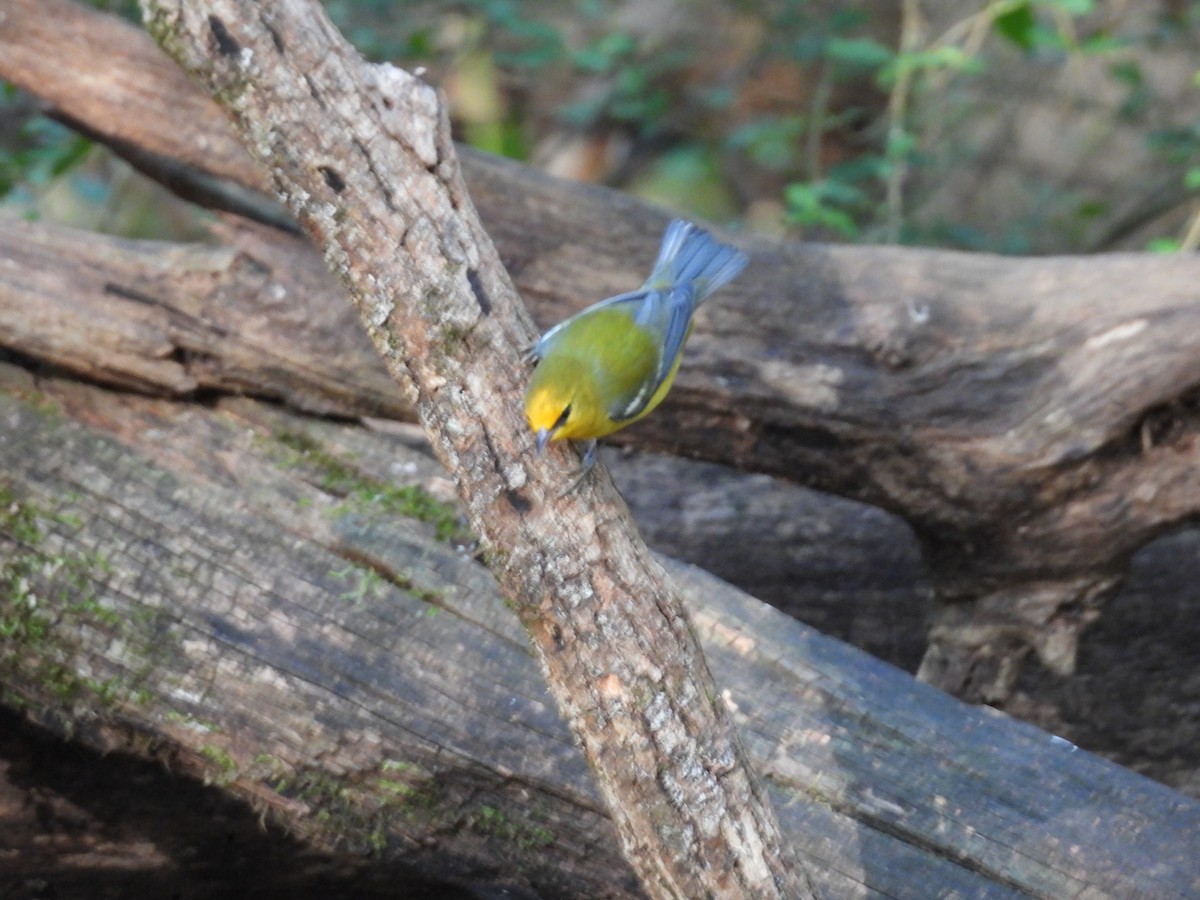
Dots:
(1162, 245)
(862, 168)
(1128, 73)
(1073, 7)
(930, 60)
(813, 204)
(862, 52)
(771, 142)
(1092, 209)
(1017, 26)
(900, 145)
(605, 53)
(1098, 44)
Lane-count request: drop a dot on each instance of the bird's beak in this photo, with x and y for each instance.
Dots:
(543, 438)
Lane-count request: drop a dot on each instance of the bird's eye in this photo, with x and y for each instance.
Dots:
(562, 420)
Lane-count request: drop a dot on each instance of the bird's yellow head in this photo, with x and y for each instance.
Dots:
(561, 403)
(548, 412)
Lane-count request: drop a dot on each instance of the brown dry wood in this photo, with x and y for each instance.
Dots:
(254, 316)
(1031, 418)
(362, 155)
(843, 567)
(259, 314)
(219, 594)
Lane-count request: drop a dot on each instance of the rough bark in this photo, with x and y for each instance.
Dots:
(849, 569)
(362, 156)
(183, 320)
(1032, 419)
(240, 592)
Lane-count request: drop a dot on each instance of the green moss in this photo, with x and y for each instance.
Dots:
(377, 840)
(399, 765)
(340, 813)
(48, 603)
(366, 583)
(335, 475)
(342, 478)
(414, 502)
(179, 718)
(524, 832)
(452, 338)
(227, 767)
(406, 790)
(18, 520)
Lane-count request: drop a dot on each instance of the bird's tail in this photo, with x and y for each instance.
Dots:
(690, 253)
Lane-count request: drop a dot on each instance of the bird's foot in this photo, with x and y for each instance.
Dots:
(589, 460)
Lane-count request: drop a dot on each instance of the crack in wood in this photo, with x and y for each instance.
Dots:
(226, 44)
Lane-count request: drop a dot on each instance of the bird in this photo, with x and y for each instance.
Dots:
(608, 366)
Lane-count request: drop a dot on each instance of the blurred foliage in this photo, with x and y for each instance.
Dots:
(37, 149)
(830, 119)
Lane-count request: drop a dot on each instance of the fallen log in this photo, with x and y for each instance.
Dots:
(244, 593)
(1032, 419)
(846, 568)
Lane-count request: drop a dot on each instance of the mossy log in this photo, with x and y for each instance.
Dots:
(63, 680)
(283, 606)
(1033, 420)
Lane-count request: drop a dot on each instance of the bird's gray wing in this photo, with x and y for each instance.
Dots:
(547, 339)
(667, 314)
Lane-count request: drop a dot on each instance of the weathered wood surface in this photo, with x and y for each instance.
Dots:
(1031, 419)
(219, 590)
(362, 155)
(183, 320)
(846, 568)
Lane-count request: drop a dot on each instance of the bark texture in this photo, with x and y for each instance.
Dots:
(363, 158)
(243, 593)
(1032, 419)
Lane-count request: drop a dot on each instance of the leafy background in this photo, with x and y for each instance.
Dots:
(1014, 126)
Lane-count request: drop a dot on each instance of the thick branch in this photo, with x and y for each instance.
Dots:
(365, 163)
(1032, 419)
(179, 320)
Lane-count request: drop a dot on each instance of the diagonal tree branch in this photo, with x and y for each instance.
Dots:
(1034, 420)
(362, 156)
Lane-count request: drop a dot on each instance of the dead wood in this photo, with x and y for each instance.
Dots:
(185, 320)
(363, 157)
(1032, 419)
(846, 568)
(240, 592)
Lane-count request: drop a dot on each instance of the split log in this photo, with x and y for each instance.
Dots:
(243, 593)
(1032, 419)
(188, 320)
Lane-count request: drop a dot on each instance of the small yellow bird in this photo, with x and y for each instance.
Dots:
(611, 364)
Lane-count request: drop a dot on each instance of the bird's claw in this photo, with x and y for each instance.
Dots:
(589, 460)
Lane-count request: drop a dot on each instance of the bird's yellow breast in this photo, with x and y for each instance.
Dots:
(592, 371)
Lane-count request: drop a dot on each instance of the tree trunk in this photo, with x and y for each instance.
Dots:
(1032, 419)
(378, 187)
